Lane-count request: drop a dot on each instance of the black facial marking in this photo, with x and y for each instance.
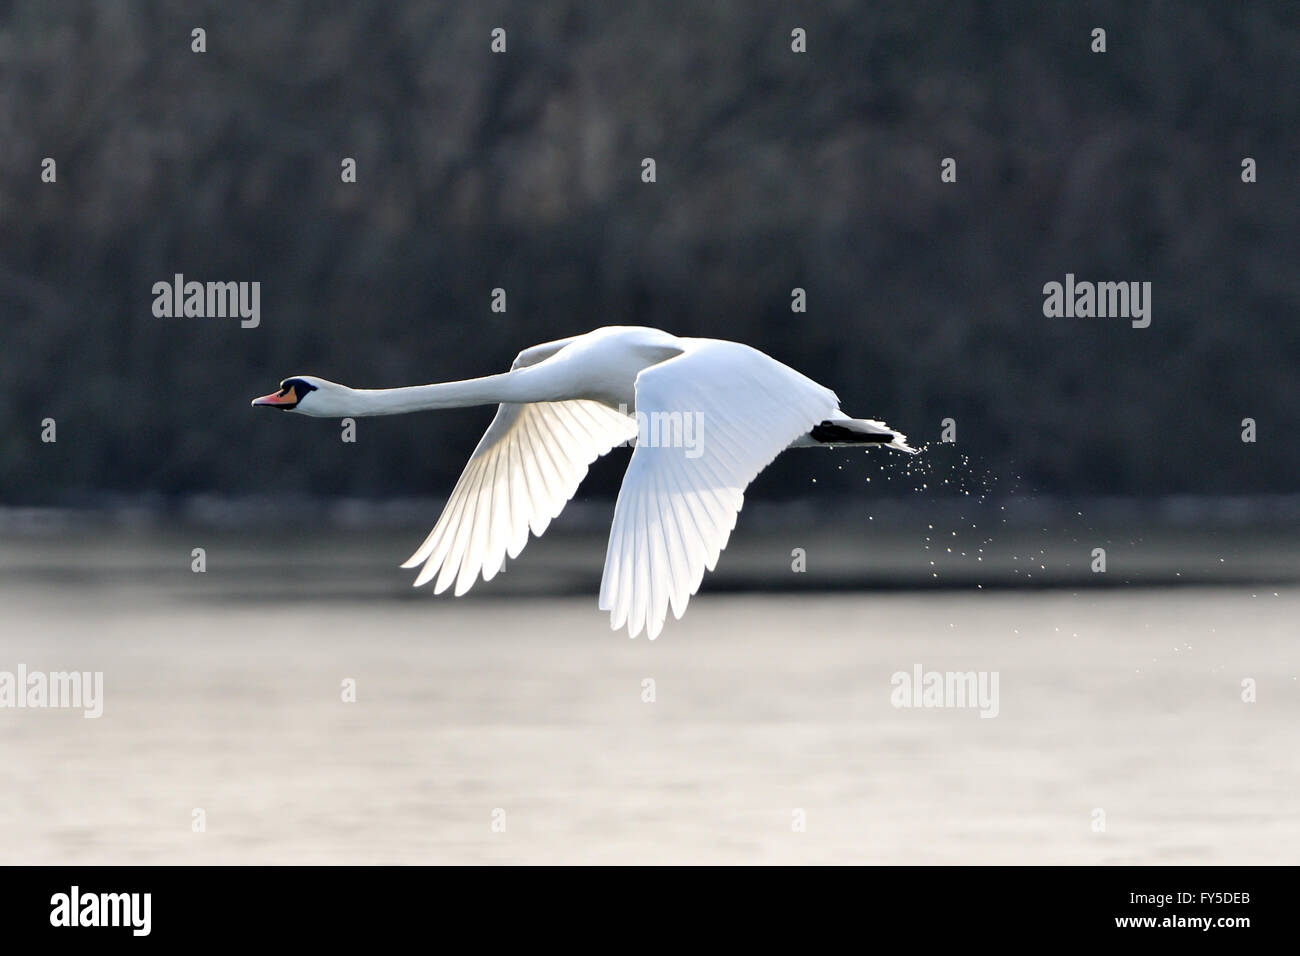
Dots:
(300, 389)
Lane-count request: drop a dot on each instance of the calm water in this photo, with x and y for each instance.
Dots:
(1127, 701)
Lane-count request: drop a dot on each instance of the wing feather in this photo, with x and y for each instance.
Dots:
(678, 505)
(525, 469)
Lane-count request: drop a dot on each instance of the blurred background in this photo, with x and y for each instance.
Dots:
(522, 171)
(775, 170)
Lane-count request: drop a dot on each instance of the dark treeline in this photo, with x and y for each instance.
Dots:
(522, 171)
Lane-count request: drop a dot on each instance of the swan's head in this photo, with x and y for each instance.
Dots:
(306, 394)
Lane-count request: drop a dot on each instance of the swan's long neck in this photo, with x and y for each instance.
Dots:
(514, 386)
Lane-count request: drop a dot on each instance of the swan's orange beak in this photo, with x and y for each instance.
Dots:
(285, 396)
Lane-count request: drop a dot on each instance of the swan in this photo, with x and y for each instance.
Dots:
(705, 416)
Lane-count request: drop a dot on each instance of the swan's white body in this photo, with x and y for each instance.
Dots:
(563, 404)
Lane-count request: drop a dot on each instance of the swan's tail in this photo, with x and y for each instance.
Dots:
(859, 431)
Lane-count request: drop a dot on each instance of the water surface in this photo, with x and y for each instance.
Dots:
(1128, 701)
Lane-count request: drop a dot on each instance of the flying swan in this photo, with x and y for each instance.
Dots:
(706, 417)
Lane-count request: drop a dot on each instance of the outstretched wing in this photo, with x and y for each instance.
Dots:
(679, 500)
(526, 467)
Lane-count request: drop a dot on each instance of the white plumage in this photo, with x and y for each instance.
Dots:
(728, 409)
(675, 513)
(525, 469)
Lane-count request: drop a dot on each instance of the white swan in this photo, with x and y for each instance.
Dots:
(707, 416)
